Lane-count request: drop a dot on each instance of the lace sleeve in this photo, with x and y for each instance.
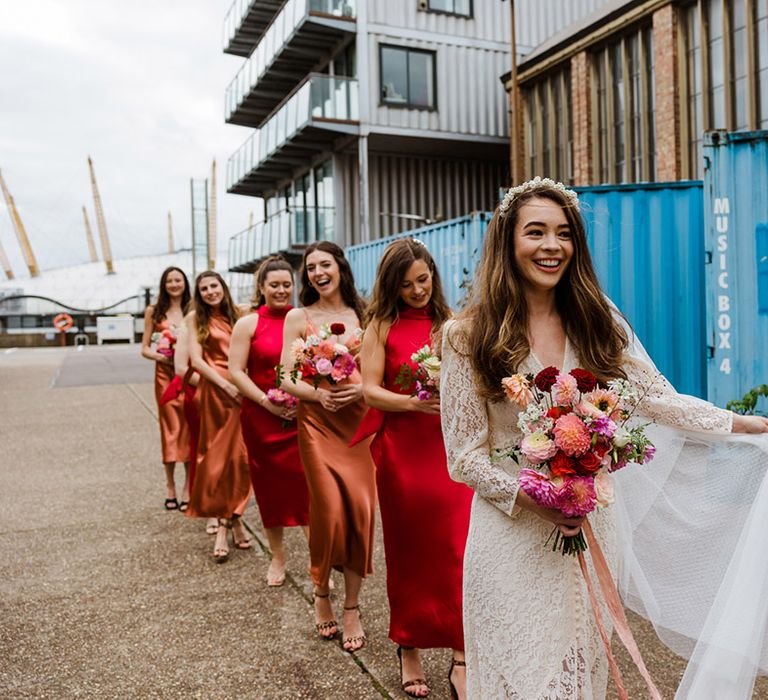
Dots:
(664, 405)
(466, 432)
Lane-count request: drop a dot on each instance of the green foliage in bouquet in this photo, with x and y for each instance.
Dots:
(747, 404)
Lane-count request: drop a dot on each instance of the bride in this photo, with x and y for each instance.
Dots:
(529, 629)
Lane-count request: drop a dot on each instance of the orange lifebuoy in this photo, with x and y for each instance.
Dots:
(63, 322)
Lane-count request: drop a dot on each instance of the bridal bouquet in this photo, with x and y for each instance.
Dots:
(165, 342)
(423, 380)
(318, 357)
(575, 434)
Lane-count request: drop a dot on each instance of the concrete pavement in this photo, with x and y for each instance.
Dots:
(103, 594)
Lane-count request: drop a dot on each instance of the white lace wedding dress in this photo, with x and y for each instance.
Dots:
(529, 629)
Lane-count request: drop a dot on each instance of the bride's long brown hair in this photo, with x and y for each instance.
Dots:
(496, 320)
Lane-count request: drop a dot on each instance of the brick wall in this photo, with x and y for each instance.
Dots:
(668, 132)
(581, 103)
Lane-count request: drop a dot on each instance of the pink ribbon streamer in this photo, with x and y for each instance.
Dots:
(616, 611)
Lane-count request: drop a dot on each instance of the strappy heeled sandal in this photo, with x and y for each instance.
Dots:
(171, 504)
(415, 681)
(328, 624)
(221, 554)
(454, 692)
(244, 543)
(358, 638)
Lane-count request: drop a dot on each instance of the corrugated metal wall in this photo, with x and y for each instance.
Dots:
(432, 188)
(648, 251)
(736, 234)
(490, 20)
(470, 96)
(538, 20)
(454, 244)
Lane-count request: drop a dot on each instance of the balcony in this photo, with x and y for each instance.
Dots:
(301, 35)
(245, 22)
(286, 232)
(306, 123)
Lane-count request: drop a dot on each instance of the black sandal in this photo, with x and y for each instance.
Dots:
(414, 681)
(359, 638)
(454, 692)
(184, 506)
(328, 624)
(171, 504)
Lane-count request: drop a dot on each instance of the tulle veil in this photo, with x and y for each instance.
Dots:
(693, 528)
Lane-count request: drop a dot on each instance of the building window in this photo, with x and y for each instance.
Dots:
(462, 8)
(548, 128)
(726, 71)
(407, 77)
(625, 126)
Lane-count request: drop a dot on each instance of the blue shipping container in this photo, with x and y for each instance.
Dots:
(736, 236)
(648, 249)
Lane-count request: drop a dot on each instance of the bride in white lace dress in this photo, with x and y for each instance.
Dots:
(529, 629)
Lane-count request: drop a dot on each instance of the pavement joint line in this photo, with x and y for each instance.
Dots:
(294, 584)
(152, 412)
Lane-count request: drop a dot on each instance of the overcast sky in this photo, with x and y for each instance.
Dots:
(140, 87)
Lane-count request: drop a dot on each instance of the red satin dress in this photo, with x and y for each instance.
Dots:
(222, 483)
(277, 474)
(342, 485)
(174, 435)
(424, 514)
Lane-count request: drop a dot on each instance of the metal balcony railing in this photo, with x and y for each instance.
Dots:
(321, 98)
(284, 231)
(280, 32)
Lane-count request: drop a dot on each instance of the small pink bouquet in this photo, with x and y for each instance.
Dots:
(319, 357)
(165, 342)
(423, 379)
(575, 435)
(282, 398)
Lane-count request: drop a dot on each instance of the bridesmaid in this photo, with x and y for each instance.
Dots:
(222, 485)
(167, 314)
(342, 486)
(273, 451)
(424, 514)
(191, 400)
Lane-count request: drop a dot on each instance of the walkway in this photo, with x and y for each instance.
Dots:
(103, 594)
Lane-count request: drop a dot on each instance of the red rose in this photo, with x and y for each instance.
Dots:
(585, 381)
(588, 464)
(601, 448)
(556, 411)
(308, 370)
(562, 465)
(338, 328)
(546, 378)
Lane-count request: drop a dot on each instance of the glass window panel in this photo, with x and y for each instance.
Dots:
(463, 7)
(532, 111)
(421, 91)
(441, 5)
(558, 116)
(716, 65)
(651, 72)
(739, 43)
(761, 26)
(394, 75)
(569, 128)
(602, 101)
(546, 164)
(618, 113)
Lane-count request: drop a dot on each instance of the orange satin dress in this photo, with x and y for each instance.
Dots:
(342, 485)
(222, 481)
(174, 434)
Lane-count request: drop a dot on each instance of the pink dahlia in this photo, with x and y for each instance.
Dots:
(571, 435)
(565, 390)
(576, 497)
(537, 486)
(537, 447)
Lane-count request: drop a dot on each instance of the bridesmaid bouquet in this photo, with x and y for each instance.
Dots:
(575, 435)
(319, 358)
(165, 342)
(423, 380)
(283, 399)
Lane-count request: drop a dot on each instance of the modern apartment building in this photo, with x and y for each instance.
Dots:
(372, 117)
(626, 93)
